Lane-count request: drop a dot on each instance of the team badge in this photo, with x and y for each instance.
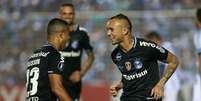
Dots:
(74, 44)
(137, 63)
(128, 65)
(118, 57)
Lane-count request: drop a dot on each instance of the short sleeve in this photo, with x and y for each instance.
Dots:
(54, 63)
(86, 42)
(159, 53)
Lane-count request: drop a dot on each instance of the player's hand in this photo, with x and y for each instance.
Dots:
(75, 76)
(158, 91)
(114, 90)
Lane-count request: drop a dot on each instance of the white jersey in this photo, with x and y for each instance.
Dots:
(172, 86)
(197, 84)
(197, 41)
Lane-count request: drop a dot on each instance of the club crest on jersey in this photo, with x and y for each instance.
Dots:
(137, 63)
(128, 65)
(118, 57)
(74, 44)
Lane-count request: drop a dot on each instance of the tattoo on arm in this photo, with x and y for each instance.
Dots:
(172, 65)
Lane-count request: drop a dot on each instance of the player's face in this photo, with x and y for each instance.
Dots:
(64, 38)
(67, 13)
(115, 31)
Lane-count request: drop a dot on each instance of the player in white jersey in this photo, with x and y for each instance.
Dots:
(172, 86)
(197, 42)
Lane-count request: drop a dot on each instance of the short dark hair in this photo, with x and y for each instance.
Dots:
(124, 17)
(198, 14)
(68, 5)
(57, 25)
(153, 34)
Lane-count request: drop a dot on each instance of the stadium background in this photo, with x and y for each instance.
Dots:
(22, 29)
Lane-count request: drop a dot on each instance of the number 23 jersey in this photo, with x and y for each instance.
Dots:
(45, 60)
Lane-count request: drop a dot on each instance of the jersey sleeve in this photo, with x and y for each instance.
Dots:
(54, 63)
(86, 42)
(197, 42)
(159, 53)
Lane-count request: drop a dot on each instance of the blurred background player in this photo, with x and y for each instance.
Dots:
(79, 41)
(45, 66)
(197, 43)
(172, 86)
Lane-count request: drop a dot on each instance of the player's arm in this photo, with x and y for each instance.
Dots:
(55, 78)
(58, 88)
(90, 54)
(199, 62)
(172, 61)
(87, 63)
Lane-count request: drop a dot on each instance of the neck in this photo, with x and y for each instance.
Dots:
(127, 43)
(73, 27)
(54, 43)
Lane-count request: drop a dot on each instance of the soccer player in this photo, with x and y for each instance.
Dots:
(172, 86)
(79, 41)
(45, 66)
(197, 42)
(137, 59)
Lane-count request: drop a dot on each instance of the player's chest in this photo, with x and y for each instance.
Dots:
(75, 44)
(132, 62)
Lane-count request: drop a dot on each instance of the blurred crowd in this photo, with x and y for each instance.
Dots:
(97, 5)
(23, 23)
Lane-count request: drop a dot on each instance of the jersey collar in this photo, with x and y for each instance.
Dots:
(134, 45)
(50, 45)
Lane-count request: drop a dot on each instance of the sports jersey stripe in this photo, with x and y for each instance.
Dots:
(135, 40)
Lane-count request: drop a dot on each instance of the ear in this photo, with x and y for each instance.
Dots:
(60, 36)
(125, 31)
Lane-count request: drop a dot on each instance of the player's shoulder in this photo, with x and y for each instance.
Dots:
(141, 42)
(150, 45)
(81, 28)
(42, 51)
(49, 49)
